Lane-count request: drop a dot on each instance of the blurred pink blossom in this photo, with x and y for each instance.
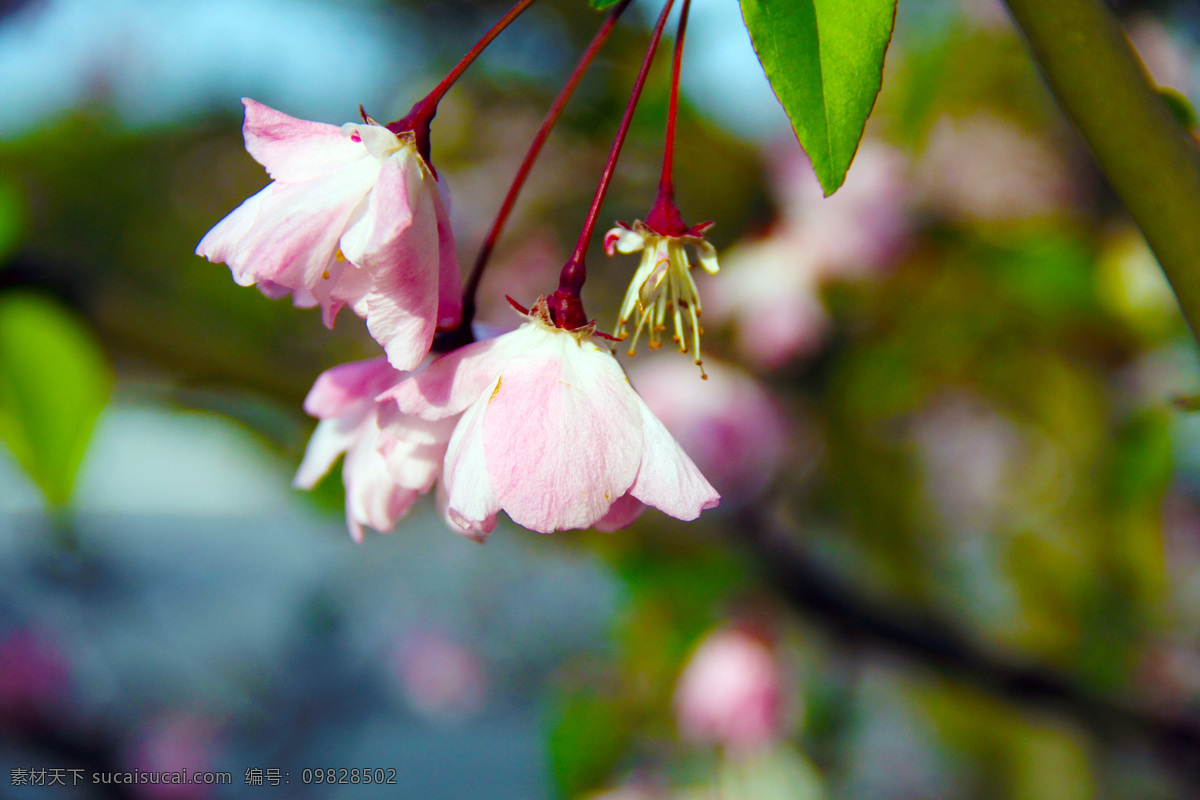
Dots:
(770, 287)
(731, 693)
(440, 677)
(352, 217)
(983, 168)
(729, 424)
(859, 228)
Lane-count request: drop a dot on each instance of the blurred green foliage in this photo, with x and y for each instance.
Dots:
(54, 382)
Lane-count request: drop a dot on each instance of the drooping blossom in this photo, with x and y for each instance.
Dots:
(551, 433)
(770, 287)
(731, 426)
(662, 284)
(353, 218)
(731, 693)
(386, 467)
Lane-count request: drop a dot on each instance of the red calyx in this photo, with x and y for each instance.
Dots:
(415, 122)
(664, 218)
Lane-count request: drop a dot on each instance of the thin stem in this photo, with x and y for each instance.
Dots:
(419, 117)
(1147, 156)
(664, 217)
(665, 183)
(535, 149)
(574, 272)
(438, 91)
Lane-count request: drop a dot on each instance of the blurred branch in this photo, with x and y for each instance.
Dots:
(1145, 153)
(938, 643)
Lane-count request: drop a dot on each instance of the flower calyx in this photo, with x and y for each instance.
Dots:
(413, 128)
(544, 313)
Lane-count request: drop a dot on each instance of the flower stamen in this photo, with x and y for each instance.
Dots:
(662, 284)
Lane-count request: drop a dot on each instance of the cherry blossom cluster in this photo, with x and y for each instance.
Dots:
(539, 422)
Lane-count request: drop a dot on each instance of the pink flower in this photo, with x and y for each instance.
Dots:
(552, 433)
(352, 218)
(729, 424)
(386, 467)
(731, 693)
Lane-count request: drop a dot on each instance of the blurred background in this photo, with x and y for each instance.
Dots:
(955, 401)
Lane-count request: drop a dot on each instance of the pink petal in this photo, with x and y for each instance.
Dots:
(456, 380)
(623, 240)
(621, 514)
(372, 498)
(667, 479)
(287, 233)
(561, 435)
(301, 297)
(331, 438)
(388, 214)
(221, 243)
(471, 505)
(337, 391)
(295, 150)
(476, 533)
(347, 285)
(449, 310)
(397, 243)
(415, 449)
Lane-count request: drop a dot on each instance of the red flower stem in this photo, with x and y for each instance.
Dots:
(423, 111)
(535, 149)
(666, 184)
(574, 272)
(438, 91)
(664, 217)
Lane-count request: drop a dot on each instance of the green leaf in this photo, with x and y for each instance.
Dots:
(600, 5)
(54, 382)
(1181, 107)
(824, 59)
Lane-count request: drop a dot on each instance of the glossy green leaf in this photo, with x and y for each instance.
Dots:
(824, 59)
(602, 4)
(54, 382)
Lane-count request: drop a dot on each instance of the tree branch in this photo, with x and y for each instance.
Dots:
(938, 643)
(1145, 153)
